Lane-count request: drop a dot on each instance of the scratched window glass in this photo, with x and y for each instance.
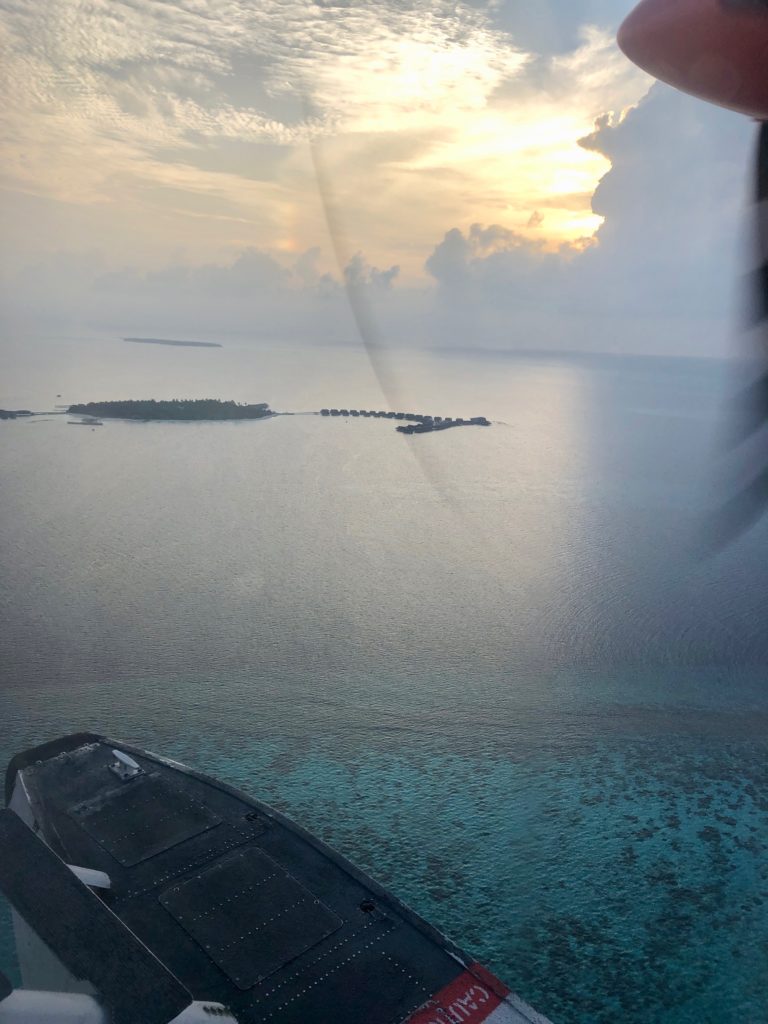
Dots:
(388, 644)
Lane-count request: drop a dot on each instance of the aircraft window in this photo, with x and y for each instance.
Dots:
(421, 351)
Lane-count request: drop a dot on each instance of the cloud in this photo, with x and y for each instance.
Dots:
(254, 295)
(660, 275)
(358, 273)
(493, 173)
(554, 28)
(673, 203)
(189, 120)
(493, 266)
(665, 263)
(123, 76)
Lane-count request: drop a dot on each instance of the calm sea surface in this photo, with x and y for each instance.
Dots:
(490, 665)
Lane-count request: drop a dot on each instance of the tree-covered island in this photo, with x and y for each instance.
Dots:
(175, 409)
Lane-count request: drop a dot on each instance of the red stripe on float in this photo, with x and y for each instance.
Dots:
(469, 999)
(490, 980)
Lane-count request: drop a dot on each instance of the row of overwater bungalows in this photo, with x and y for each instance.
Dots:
(428, 422)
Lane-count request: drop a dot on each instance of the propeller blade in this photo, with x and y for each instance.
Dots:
(761, 200)
(757, 280)
(362, 312)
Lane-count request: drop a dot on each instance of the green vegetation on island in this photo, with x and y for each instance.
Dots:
(175, 409)
(12, 414)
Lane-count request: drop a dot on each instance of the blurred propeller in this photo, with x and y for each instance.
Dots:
(379, 356)
(718, 50)
(761, 276)
(362, 314)
(750, 416)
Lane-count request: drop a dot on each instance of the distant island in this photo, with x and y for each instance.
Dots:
(173, 341)
(175, 409)
(12, 414)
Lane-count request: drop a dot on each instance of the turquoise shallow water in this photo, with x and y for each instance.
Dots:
(599, 877)
(494, 671)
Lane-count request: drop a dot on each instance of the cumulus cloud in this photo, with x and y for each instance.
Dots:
(358, 273)
(673, 203)
(254, 295)
(665, 264)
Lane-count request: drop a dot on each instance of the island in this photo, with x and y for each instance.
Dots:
(175, 409)
(12, 414)
(174, 341)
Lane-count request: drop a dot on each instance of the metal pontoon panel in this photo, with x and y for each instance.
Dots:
(250, 915)
(142, 818)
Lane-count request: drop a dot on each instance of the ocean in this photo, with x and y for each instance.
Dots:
(496, 667)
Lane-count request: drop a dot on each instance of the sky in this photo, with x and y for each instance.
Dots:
(491, 173)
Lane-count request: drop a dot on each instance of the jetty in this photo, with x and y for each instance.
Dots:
(416, 422)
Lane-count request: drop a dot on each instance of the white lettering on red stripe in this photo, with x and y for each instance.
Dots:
(463, 1001)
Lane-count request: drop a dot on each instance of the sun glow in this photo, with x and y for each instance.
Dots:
(459, 133)
(511, 166)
